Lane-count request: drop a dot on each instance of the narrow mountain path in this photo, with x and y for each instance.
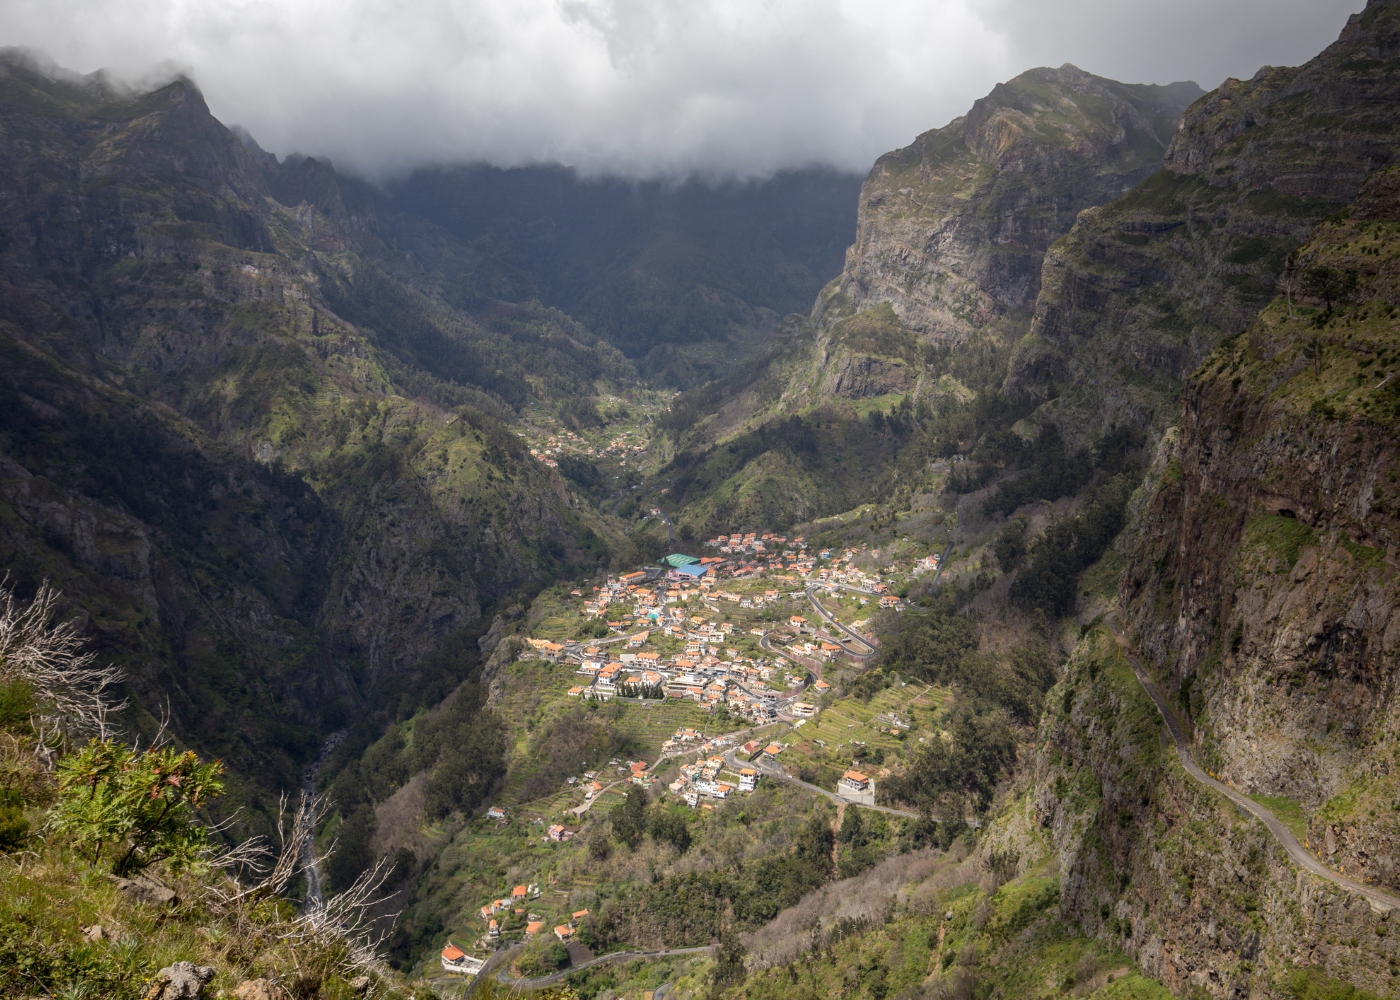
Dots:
(1380, 900)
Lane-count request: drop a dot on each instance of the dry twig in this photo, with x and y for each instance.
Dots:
(70, 691)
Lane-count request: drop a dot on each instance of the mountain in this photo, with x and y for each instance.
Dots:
(1260, 588)
(1142, 289)
(267, 463)
(1099, 460)
(685, 278)
(1237, 311)
(939, 285)
(1243, 301)
(953, 227)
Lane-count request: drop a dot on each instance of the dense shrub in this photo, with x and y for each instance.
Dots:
(132, 809)
(962, 768)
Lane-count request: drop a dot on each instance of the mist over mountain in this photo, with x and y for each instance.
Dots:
(715, 87)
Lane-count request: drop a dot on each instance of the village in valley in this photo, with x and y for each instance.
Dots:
(724, 672)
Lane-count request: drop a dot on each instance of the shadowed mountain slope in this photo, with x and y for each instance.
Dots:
(246, 438)
(684, 279)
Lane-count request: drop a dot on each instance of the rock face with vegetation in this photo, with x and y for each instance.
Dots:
(1143, 288)
(1156, 865)
(939, 284)
(953, 228)
(1264, 579)
(1260, 587)
(684, 279)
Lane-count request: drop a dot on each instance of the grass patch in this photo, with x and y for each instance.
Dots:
(1368, 556)
(1280, 536)
(1134, 986)
(1312, 983)
(1018, 903)
(1101, 579)
(1288, 811)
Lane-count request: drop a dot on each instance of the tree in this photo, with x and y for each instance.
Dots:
(852, 828)
(729, 964)
(14, 828)
(629, 820)
(1010, 545)
(1329, 285)
(136, 807)
(667, 827)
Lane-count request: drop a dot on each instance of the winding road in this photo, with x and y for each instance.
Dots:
(851, 634)
(1381, 901)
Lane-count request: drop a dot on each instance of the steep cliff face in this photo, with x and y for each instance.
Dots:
(247, 437)
(1261, 587)
(1142, 289)
(1264, 583)
(952, 228)
(1153, 863)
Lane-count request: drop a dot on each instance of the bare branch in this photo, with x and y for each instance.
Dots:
(348, 917)
(292, 857)
(48, 656)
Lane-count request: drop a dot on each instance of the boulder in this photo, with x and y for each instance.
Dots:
(258, 989)
(179, 981)
(146, 890)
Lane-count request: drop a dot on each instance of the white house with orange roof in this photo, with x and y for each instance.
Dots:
(458, 962)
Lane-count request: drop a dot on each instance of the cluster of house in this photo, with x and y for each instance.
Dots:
(755, 543)
(757, 749)
(928, 563)
(520, 895)
(568, 443)
(702, 779)
(752, 553)
(740, 684)
(455, 960)
(565, 931)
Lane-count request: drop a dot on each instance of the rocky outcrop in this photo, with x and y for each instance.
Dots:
(1143, 288)
(952, 229)
(951, 234)
(180, 981)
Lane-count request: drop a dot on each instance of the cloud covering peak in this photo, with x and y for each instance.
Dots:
(641, 87)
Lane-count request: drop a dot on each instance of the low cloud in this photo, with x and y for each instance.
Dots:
(641, 87)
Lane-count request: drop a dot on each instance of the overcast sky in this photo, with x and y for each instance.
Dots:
(642, 87)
